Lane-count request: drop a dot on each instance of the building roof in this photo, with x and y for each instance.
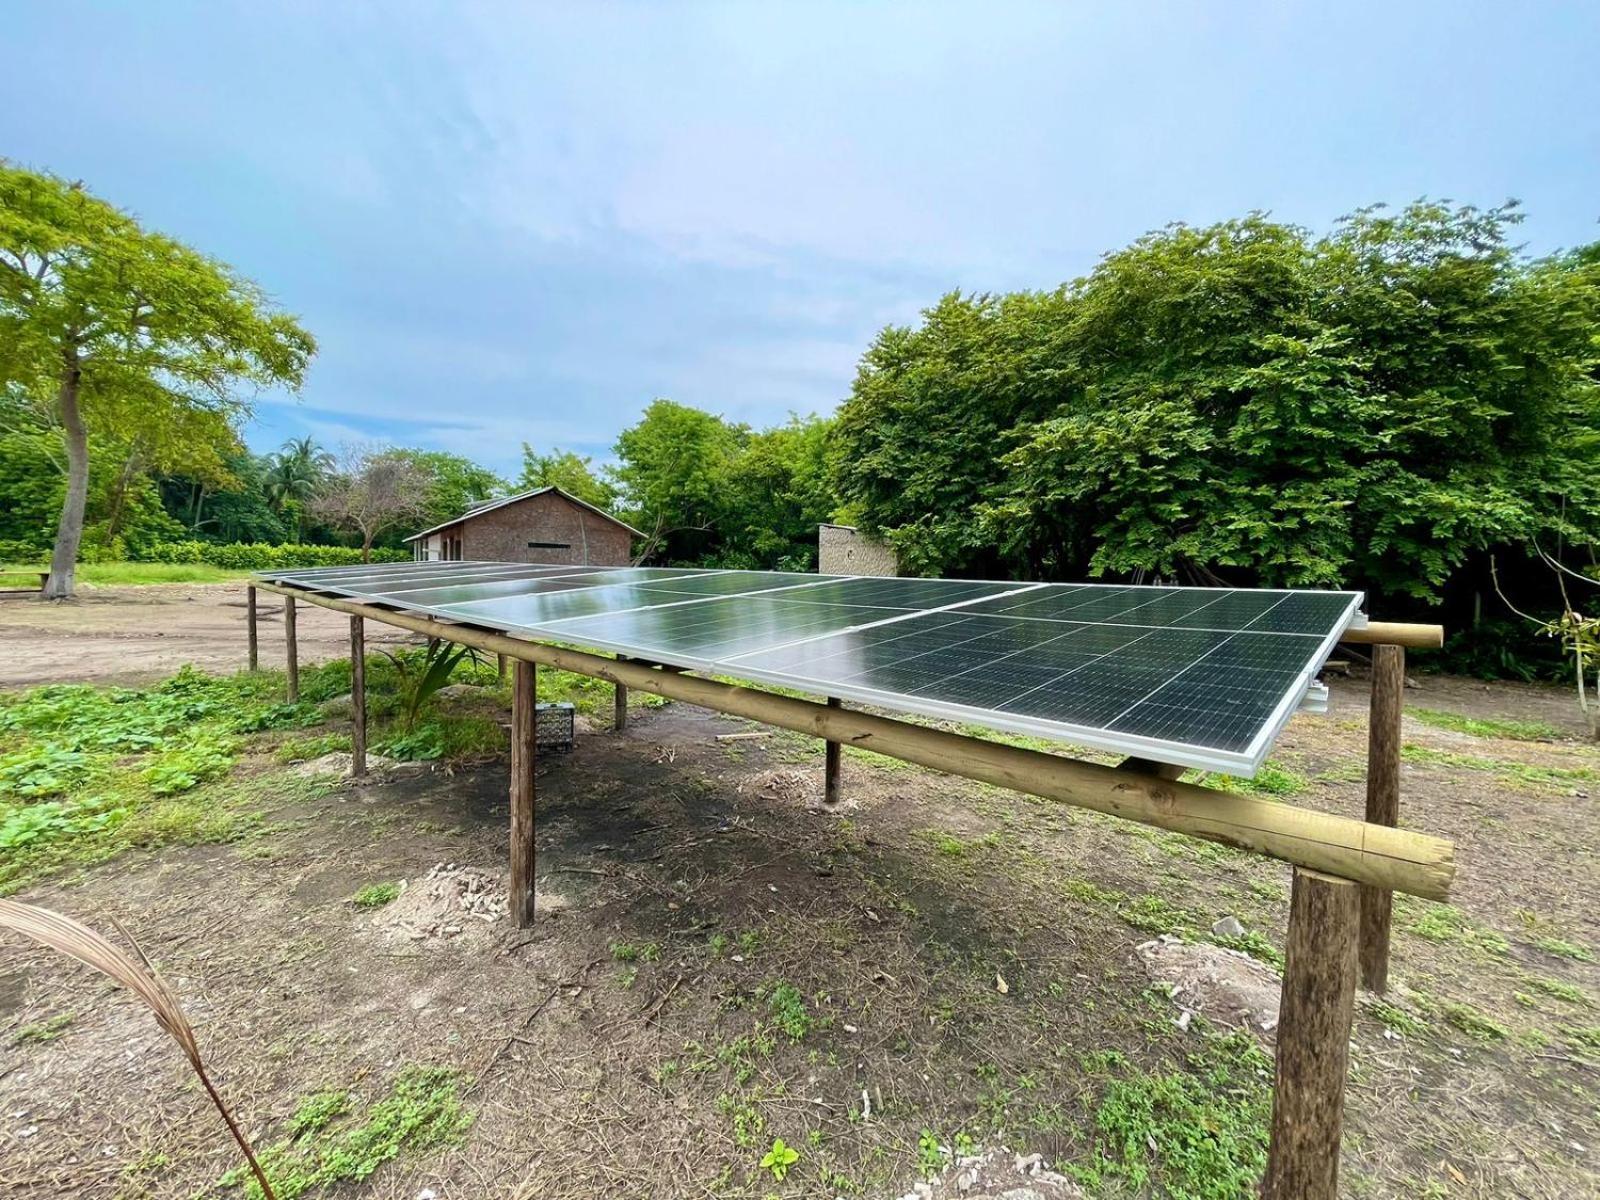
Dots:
(482, 507)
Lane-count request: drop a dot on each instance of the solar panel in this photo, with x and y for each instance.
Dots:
(1201, 677)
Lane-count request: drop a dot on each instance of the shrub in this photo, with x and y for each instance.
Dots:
(261, 556)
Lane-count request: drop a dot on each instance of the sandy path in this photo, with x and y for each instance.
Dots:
(138, 634)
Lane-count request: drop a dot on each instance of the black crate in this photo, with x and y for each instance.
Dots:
(553, 726)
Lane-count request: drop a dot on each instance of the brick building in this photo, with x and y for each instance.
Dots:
(546, 525)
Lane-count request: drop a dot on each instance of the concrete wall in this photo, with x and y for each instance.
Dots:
(503, 534)
(845, 550)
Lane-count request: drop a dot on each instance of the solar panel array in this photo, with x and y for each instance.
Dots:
(1201, 677)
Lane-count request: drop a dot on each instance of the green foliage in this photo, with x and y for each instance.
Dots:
(256, 557)
(423, 672)
(1561, 948)
(128, 334)
(572, 473)
(1369, 407)
(86, 772)
(788, 1010)
(703, 490)
(327, 1147)
(779, 1159)
(40, 1032)
(455, 484)
(375, 895)
(931, 1155)
(1194, 1134)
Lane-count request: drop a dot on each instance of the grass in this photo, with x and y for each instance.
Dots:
(1486, 727)
(41, 1032)
(1560, 948)
(1558, 778)
(1447, 923)
(333, 1140)
(1193, 1134)
(133, 574)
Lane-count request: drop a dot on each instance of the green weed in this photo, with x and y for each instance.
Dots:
(1447, 923)
(788, 1009)
(375, 895)
(40, 1032)
(327, 1146)
(1193, 1134)
(1473, 1023)
(1564, 949)
(1529, 774)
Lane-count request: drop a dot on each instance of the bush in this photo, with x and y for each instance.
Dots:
(261, 556)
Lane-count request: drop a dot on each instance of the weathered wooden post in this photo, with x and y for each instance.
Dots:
(250, 625)
(358, 698)
(291, 649)
(1383, 803)
(1313, 1052)
(500, 667)
(619, 715)
(831, 758)
(524, 739)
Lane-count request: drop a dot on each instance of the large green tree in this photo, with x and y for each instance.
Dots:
(1247, 401)
(455, 483)
(672, 469)
(124, 328)
(571, 472)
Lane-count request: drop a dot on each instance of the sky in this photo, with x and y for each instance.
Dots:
(513, 222)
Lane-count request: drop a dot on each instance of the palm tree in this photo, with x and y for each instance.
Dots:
(293, 475)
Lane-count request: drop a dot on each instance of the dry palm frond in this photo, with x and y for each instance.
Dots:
(66, 936)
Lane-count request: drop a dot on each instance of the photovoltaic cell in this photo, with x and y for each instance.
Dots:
(1196, 676)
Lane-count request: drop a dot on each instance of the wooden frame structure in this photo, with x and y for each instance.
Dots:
(1346, 871)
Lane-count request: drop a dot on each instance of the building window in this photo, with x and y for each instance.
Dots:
(549, 545)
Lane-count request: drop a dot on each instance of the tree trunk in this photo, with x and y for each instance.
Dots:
(69, 532)
(366, 548)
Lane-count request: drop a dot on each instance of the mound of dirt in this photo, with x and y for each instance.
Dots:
(450, 905)
(997, 1174)
(1224, 986)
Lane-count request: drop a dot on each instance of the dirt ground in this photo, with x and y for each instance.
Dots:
(132, 635)
(967, 958)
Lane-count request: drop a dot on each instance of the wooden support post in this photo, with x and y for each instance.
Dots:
(619, 712)
(1313, 1052)
(1383, 804)
(500, 667)
(524, 702)
(831, 761)
(250, 625)
(358, 698)
(291, 650)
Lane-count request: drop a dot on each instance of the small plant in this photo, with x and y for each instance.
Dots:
(931, 1156)
(40, 1032)
(375, 895)
(628, 952)
(422, 676)
(788, 1009)
(779, 1159)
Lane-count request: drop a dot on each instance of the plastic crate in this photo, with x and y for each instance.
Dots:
(553, 726)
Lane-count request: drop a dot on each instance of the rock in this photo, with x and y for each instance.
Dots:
(457, 691)
(338, 706)
(1226, 987)
(1228, 927)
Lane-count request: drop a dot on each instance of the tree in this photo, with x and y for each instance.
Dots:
(370, 492)
(126, 328)
(291, 478)
(671, 469)
(455, 483)
(775, 494)
(572, 473)
(1376, 407)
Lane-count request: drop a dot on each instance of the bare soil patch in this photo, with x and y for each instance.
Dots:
(133, 635)
(639, 1041)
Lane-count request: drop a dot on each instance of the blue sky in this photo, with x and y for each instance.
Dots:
(510, 222)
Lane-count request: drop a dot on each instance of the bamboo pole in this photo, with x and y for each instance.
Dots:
(358, 697)
(1400, 860)
(1395, 633)
(252, 640)
(1383, 803)
(832, 755)
(1313, 1045)
(524, 738)
(291, 649)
